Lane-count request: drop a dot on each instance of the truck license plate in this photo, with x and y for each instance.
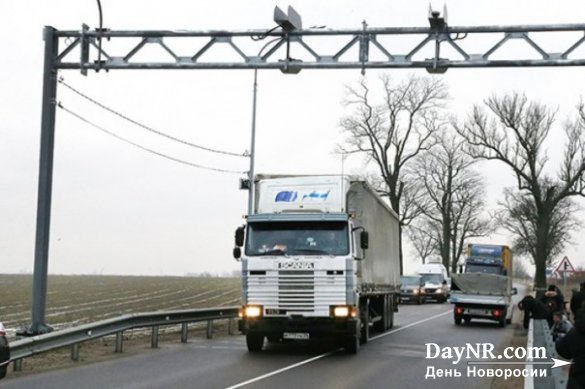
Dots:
(296, 335)
(478, 312)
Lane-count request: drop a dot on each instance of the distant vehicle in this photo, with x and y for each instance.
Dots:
(484, 290)
(319, 260)
(436, 281)
(4, 352)
(412, 288)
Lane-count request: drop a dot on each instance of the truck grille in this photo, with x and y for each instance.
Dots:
(296, 290)
(307, 292)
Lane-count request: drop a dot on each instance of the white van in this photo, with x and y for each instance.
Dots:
(436, 280)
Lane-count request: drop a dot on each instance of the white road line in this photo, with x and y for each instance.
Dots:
(410, 325)
(298, 364)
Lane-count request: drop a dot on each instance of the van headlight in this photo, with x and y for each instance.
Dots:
(251, 311)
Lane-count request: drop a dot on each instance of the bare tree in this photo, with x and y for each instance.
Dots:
(424, 238)
(539, 213)
(394, 132)
(453, 197)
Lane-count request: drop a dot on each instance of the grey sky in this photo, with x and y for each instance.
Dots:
(119, 210)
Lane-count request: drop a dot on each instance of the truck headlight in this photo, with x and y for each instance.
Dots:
(252, 311)
(439, 290)
(415, 291)
(343, 311)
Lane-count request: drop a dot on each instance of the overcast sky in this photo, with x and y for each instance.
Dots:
(120, 210)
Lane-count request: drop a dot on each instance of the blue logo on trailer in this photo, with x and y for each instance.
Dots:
(286, 196)
(486, 251)
(316, 195)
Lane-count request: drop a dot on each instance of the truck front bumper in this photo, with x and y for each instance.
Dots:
(316, 328)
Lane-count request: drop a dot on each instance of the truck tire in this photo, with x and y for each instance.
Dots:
(390, 314)
(365, 321)
(502, 321)
(457, 319)
(254, 342)
(351, 344)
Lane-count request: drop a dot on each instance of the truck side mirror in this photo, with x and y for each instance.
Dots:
(364, 240)
(240, 236)
(237, 252)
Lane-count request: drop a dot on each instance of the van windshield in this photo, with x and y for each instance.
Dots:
(432, 278)
(297, 238)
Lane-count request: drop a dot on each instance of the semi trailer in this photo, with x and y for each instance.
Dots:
(320, 259)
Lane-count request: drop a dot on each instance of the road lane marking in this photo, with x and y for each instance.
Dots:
(313, 359)
(410, 325)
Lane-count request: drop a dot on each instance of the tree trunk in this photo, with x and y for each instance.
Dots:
(541, 255)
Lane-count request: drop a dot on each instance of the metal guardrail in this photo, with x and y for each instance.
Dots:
(74, 336)
(540, 336)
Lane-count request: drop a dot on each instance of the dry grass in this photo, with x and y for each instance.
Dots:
(72, 300)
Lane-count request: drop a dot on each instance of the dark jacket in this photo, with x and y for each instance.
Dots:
(533, 309)
(572, 346)
(577, 301)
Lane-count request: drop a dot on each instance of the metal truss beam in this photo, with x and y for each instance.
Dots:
(354, 51)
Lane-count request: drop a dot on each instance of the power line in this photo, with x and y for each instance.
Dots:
(60, 105)
(111, 110)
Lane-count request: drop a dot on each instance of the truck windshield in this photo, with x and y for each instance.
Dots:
(297, 238)
(470, 268)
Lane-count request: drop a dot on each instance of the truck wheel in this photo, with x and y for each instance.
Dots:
(364, 320)
(502, 321)
(457, 320)
(351, 344)
(390, 322)
(254, 342)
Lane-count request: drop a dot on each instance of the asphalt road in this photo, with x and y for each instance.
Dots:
(395, 359)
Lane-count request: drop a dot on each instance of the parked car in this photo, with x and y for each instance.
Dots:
(412, 289)
(4, 352)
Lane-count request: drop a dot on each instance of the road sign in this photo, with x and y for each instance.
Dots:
(565, 266)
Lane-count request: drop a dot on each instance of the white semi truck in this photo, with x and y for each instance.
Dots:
(319, 260)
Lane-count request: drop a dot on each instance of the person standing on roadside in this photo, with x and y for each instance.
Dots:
(572, 346)
(577, 300)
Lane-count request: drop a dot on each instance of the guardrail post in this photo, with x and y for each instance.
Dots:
(17, 365)
(154, 337)
(184, 332)
(231, 325)
(119, 342)
(209, 329)
(75, 352)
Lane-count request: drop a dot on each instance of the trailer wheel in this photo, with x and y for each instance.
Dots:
(390, 314)
(254, 342)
